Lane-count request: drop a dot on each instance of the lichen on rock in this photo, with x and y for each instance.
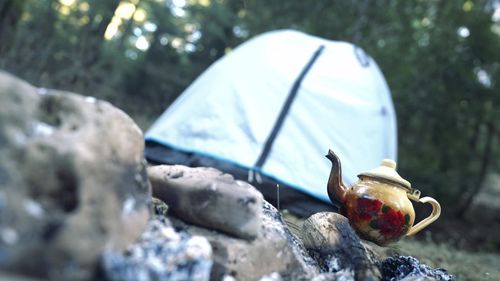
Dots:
(161, 253)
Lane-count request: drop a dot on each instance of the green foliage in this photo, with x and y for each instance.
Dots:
(440, 58)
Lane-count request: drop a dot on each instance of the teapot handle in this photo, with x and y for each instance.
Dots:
(436, 212)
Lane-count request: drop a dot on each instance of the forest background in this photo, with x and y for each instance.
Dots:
(441, 60)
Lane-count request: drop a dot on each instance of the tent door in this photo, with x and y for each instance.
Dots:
(284, 110)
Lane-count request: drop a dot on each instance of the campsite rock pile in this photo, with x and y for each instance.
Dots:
(76, 203)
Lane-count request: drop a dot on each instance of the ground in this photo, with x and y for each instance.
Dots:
(464, 265)
(468, 248)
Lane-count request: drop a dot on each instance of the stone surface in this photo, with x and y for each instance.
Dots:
(209, 198)
(228, 278)
(341, 275)
(334, 244)
(6, 276)
(160, 211)
(72, 181)
(275, 276)
(275, 250)
(405, 268)
(161, 254)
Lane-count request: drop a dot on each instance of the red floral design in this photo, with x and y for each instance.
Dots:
(368, 208)
(392, 223)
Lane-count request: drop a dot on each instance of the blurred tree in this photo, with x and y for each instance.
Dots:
(10, 15)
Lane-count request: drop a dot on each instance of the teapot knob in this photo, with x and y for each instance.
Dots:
(389, 163)
(387, 171)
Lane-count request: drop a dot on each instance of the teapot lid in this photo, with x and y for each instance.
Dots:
(387, 171)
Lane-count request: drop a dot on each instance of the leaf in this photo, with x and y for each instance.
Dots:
(385, 209)
(374, 224)
(407, 219)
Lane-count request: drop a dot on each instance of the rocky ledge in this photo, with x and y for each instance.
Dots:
(77, 202)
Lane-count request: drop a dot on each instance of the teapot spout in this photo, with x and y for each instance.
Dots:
(336, 189)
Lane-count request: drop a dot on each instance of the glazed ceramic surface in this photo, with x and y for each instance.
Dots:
(378, 211)
(378, 206)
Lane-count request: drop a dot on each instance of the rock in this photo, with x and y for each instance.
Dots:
(72, 181)
(330, 238)
(209, 198)
(161, 254)
(4, 276)
(399, 268)
(341, 275)
(415, 278)
(160, 210)
(275, 276)
(275, 250)
(228, 278)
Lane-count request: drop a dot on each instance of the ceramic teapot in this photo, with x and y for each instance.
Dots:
(378, 206)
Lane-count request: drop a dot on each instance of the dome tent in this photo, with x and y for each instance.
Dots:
(269, 111)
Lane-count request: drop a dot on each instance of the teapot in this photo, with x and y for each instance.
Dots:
(378, 206)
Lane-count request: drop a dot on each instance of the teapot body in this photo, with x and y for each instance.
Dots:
(378, 211)
(378, 206)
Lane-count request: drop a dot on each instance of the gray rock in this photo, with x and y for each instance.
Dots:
(72, 181)
(160, 211)
(341, 275)
(405, 268)
(228, 278)
(418, 278)
(5, 276)
(335, 245)
(275, 250)
(209, 198)
(161, 254)
(275, 276)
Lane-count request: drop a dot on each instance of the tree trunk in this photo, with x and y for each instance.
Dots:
(485, 163)
(92, 42)
(10, 14)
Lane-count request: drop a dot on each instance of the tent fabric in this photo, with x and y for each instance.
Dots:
(230, 111)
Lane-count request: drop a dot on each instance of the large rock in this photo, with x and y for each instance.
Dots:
(72, 181)
(336, 247)
(161, 254)
(275, 251)
(209, 198)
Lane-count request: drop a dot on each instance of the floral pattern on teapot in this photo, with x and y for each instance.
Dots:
(383, 222)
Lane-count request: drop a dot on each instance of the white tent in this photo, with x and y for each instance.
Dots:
(277, 103)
